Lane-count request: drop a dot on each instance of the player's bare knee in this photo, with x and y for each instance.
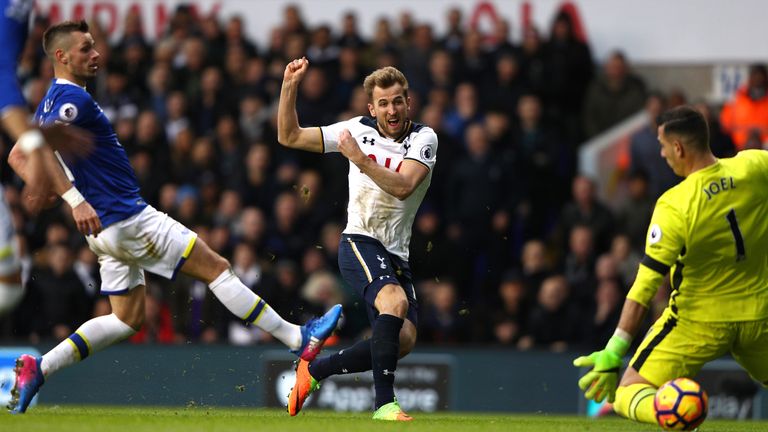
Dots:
(391, 300)
(397, 306)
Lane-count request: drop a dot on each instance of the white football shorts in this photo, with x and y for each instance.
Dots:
(150, 240)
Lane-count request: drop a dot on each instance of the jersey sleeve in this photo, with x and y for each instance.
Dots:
(666, 233)
(664, 244)
(423, 148)
(331, 134)
(71, 107)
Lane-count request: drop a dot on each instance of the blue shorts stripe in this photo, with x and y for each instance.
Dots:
(178, 267)
(82, 346)
(256, 311)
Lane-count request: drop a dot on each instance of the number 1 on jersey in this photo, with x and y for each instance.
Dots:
(741, 253)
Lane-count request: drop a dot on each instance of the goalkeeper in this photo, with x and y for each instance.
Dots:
(710, 234)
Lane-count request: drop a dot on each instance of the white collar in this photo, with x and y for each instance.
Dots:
(68, 82)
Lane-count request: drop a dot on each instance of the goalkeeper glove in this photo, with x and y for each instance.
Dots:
(600, 382)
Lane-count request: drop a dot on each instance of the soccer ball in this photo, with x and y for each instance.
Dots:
(681, 404)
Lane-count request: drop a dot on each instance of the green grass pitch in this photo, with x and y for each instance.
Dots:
(104, 419)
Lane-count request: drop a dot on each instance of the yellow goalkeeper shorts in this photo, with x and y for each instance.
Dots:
(676, 347)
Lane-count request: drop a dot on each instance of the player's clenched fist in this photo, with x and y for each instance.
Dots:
(349, 148)
(295, 70)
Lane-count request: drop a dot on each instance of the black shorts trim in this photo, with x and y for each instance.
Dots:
(668, 326)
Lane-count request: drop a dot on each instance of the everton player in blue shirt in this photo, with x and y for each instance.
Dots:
(40, 160)
(133, 236)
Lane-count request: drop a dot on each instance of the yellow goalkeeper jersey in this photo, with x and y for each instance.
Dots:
(711, 232)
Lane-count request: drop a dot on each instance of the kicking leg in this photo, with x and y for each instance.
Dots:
(208, 266)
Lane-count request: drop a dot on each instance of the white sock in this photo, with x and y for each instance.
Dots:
(95, 335)
(246, 305)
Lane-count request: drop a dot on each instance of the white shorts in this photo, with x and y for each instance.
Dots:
(150, 240)
(9, 249)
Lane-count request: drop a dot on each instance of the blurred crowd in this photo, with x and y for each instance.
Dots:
(510, 247)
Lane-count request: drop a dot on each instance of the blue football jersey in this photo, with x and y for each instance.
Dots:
(14, 24)
(105, 177)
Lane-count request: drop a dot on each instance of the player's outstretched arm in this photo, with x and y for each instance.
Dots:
(33, 160)
(55, 181)
(289, 133)
(399, 184)
(601, 381)
(30, 144)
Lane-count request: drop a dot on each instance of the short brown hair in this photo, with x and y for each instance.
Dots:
(385, 77)
(54, 33)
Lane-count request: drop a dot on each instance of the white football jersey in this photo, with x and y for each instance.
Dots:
(371, 211)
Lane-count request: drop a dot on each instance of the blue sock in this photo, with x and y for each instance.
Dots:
(385, 347)
(356, 358)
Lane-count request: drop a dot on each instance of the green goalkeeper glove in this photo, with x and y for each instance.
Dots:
(600, 382)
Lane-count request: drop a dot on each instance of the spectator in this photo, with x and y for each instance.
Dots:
(466, 111)
(500, 43)
(747, 112)
(117, 100)
(536, 265)
(579, 265)
(57, 295)
(454, 34)
(284, 237)
(569, 72)
(433, 255)
(322, 52)
(627, 258)
(586, 209)
(228, 152)
(605, 314)
(236, 38)
(350, 36)
(442, 320)
(473, 62)
(553, 322)
(416, 59)
(645, 157)
(634, 214)
(476, 188)
(258, 189)
(533, 61)
(348, 78)
(719, 141)
(543, 170)
(330, 236)
(612, 97)
(510, 315)
(189, 68)
(321, 289)
(503, 91)
(214, 40)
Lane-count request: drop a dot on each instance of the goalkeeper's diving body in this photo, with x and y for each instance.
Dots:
(710, 234)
